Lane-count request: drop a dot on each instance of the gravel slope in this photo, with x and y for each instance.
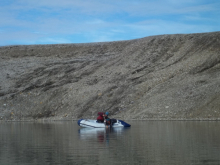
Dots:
(157, 77)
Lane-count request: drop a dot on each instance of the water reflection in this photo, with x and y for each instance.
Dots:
(100, 134)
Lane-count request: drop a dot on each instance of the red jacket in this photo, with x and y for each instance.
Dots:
(100, 117)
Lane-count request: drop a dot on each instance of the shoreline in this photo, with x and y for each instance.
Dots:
(54, 120)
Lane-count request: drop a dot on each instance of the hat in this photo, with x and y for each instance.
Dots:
(106, 113)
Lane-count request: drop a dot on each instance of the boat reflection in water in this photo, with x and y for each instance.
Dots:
(101, 134)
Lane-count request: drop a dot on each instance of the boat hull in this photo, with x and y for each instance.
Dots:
(94, 124)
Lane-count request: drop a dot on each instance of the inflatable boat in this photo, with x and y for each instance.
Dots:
(94, 124)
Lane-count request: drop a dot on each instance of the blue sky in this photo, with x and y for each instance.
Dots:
(81, 21)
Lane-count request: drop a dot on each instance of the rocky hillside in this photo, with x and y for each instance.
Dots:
(158, 77)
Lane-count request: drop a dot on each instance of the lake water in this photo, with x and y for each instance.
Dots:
(145, 142)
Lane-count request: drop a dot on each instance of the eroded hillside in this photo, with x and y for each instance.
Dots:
(158, 77)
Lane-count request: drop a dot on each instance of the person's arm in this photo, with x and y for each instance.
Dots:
(105, 120)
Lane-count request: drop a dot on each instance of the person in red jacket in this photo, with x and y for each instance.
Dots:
(100, 118)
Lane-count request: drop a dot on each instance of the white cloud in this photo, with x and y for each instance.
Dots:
(111, 7)
(118, 31)
(53, 40)
(157, 27)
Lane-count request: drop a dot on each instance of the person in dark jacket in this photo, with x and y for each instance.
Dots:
(108, 120)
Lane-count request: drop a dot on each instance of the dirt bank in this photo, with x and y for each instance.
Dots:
(158, 77)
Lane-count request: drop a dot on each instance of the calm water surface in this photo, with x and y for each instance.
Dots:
(146, 142)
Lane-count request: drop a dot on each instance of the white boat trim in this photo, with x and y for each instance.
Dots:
(88, 123)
